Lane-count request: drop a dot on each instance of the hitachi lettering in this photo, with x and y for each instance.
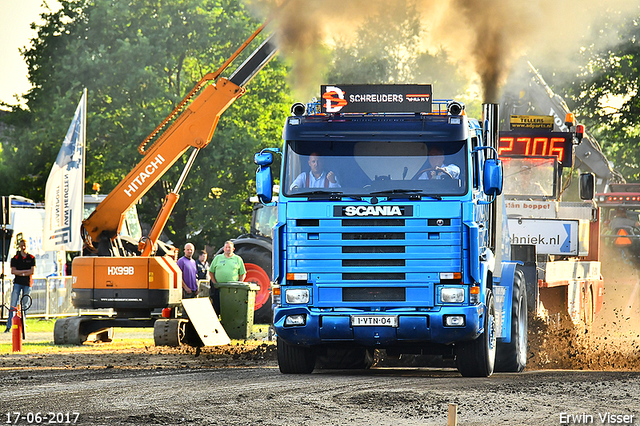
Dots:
(149, 170)
(372, 211)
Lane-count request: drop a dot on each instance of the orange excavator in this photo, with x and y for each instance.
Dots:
(136, 278)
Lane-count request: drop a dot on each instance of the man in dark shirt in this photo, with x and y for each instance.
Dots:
(202, 265)
(23, 266)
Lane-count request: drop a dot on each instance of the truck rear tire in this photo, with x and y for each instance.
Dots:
(476, 358)
(257, 262)
(295, 359)
(512, 357)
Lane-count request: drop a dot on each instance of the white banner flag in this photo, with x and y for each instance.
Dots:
(64, 194)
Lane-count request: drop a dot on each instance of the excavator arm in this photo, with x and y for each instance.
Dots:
(193, 127)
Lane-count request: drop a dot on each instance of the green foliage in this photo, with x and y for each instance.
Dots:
(386, 51)
(138, 59)
(612, 73)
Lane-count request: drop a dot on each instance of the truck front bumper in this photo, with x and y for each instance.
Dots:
(419, 327)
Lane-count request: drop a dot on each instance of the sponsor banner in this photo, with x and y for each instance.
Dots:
(372, 211)
(531, 209)
(64, 192)
(557, 237)
(362, 98)
(531, 122)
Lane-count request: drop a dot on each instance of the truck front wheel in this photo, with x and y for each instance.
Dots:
(476, 358)
(512, 357)
(295, 359)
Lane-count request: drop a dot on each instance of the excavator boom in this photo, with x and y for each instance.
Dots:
(194, 127)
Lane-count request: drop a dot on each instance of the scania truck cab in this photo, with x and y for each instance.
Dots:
(391, 234)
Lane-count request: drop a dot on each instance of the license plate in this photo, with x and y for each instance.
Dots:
(374, 320)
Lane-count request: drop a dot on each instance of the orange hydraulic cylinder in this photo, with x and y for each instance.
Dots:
(170, 202)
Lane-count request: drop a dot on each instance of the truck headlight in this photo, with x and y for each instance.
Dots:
(452, 295)
(296, 296)
(454, 321)
(295, 320)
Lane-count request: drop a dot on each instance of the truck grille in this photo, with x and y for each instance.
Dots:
(373, 236)
(371, 294)
(365, 259)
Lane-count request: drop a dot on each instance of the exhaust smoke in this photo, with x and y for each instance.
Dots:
(483, 37)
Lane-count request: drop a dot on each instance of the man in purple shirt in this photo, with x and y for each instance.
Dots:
(189, 271)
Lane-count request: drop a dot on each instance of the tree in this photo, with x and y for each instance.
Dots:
(604, 93)
(386, 50)
(138, 59)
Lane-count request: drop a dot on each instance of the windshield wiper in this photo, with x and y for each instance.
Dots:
(320, 193)
(396, 191)
(418, 193)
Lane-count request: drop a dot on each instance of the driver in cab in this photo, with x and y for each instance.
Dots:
(316, 177)
(437, 169)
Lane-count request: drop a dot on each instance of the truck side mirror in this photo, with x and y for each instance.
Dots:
(264, 158)
(264, 184)
(492, 179)
(587, 186)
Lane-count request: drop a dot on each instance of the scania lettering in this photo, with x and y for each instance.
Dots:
(372, 211)
(410, 254)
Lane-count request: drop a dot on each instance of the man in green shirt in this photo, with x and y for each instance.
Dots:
(226, 267)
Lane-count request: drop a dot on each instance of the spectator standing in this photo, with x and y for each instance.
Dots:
(23, 266)
(202, 265)
(189, 272)
(203, 274)
(228, 266)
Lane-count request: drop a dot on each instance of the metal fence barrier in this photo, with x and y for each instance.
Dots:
(51, 298)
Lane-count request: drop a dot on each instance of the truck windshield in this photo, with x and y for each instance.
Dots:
(530, 177)
(362, 168)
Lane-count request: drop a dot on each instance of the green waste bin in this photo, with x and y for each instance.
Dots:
(237, 301)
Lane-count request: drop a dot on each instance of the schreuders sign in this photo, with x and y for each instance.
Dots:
(376, 98)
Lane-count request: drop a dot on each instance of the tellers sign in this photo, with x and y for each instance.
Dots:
(558, 144)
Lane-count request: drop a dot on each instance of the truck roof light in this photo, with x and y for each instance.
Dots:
(298, 109)
(570, 120)
(455, 108)
(579, 132)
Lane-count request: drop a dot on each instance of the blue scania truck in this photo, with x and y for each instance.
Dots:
(391, 234)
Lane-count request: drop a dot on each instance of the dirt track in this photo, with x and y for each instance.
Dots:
(573, 376)
(219, 391)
